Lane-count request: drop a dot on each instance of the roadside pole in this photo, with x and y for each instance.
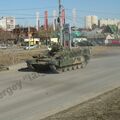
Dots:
(29, 37)
(60, 24)
(70, 36)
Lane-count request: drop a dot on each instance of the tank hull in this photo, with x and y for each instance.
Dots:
(61, 61)
(41, 67)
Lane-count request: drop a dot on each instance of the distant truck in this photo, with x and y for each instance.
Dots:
(76, 40)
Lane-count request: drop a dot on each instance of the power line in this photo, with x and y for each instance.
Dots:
(18, 14)
(53, 7)
(32, 17)
(91, 11)
(78, 12)
(26, 9)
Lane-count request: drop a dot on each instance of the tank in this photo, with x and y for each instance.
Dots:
(60, 59)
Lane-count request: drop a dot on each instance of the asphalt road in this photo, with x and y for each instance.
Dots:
(32, 96)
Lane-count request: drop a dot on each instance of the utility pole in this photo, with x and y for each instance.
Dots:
(29, 37)
(70, 36)
(60, 23)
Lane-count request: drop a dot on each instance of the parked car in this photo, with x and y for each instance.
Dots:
(3, 46)
(30, 47)
(85, 43)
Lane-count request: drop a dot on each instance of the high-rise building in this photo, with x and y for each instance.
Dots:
(7, 23)
(105, 22)
(37, 21)
(94, 20)
(90, 21)
(118, 25)
(74, 14)
(54, 20)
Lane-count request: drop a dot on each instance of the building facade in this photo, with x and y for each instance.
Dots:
(93, 20)
(106, 22)
(7, 23)
(90, 21)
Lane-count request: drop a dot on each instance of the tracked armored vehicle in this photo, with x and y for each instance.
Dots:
(60, 59)
(3, 67)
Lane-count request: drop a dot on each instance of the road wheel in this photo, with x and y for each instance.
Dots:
(74, 67)
(64, 69)
(83, 65)
(69, 68)
(78, 66)
(54, 69)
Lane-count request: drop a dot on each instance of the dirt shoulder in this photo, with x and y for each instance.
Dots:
(14, 56)
(103, 107)
(104, 51)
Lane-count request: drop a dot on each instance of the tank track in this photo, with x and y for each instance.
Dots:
(54, 69)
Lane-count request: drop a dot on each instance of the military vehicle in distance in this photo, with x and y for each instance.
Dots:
(60, 59)
(3, 67)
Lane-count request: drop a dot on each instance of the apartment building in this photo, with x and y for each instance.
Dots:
(7, 23)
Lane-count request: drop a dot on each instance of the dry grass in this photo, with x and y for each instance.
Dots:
(13, 57)
(103, 107)
(9, 57)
